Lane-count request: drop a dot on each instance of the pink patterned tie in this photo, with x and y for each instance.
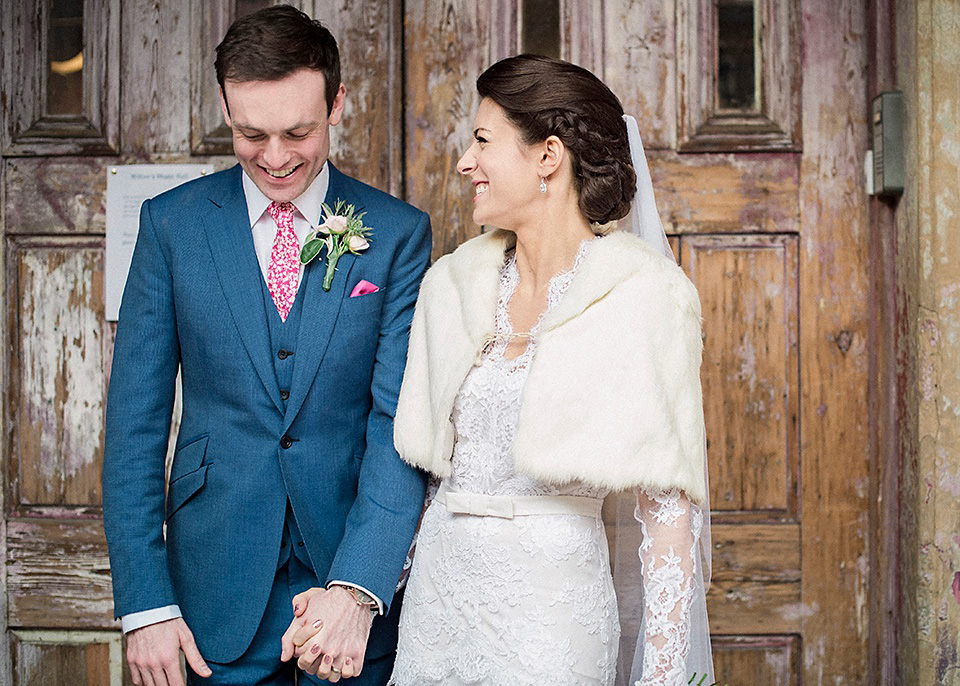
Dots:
(283, 274)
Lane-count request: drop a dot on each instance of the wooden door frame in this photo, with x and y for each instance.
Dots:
(6, 664)
(889, 351)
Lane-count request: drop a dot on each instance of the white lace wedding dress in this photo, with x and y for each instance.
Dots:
(529, 600)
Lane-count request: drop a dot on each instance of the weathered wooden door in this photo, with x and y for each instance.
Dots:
(753, 112)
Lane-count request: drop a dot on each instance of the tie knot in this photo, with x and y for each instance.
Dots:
(282, 212)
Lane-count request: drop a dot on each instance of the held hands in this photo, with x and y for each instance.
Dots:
(153, 652)
(328, 633)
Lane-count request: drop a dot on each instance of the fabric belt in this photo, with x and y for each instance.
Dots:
(510, 506)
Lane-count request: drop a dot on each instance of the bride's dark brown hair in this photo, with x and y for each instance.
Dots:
(546, 97)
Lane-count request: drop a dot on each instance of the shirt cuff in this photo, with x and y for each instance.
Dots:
(359, 588)
(138, 620)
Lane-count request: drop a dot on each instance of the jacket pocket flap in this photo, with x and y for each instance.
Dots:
(189, 457)
(181, 489)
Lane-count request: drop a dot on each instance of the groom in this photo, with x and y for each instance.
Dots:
(285, 477)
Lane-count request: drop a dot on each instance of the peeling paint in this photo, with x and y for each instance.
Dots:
(792, 612)
(929, 367)
(813, 658)
(62, 387)
(860, 593)
(860, 486)
(747, 356)
(950, 482)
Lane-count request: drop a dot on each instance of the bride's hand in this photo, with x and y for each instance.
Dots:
(303, 630)
(328, 634)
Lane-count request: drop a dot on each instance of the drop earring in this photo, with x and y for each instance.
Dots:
(543, 185)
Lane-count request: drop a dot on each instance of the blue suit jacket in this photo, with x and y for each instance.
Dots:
(193, 302)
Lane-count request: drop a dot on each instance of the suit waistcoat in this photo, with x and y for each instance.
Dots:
(283, 341)
(283, 335)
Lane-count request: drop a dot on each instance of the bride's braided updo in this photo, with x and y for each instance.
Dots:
(546, 97)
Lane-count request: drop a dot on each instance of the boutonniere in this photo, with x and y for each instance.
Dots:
(342, 230)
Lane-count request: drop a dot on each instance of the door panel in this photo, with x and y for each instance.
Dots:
(726, 193)
(748, 294)
(58, 575)
(644, 74)
(767, 660)
(57, 442)
(66, 658)
(55, 195)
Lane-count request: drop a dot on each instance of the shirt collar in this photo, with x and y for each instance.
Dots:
(307, 204)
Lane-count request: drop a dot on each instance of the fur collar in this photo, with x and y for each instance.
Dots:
(473, 270)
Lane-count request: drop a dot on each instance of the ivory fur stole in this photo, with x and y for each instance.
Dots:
(613, 395)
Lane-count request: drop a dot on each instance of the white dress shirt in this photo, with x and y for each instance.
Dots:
(264, 229)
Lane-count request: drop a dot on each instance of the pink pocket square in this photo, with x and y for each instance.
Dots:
(364, 287)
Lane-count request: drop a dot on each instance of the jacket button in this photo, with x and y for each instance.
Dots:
(283, 354)
(286, 442)
(284, 394)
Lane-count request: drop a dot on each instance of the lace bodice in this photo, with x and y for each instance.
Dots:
(486, 410)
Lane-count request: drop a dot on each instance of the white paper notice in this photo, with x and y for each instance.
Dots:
(127, 187)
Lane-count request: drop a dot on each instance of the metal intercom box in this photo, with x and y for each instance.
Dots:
(888, 153)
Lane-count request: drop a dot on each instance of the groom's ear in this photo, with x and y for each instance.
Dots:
(336, 112)
(224, 107)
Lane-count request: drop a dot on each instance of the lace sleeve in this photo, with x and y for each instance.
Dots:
(433, 485)
(672, 591)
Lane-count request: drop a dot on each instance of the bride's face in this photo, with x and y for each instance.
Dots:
(503, 170)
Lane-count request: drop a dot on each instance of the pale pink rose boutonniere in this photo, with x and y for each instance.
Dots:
(342, 230)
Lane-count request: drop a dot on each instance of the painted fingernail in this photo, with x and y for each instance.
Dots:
(317, 624)
(347, 661)
(315, 649)
(327, 659)
(296, 608)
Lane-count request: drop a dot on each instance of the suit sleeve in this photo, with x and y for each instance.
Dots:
(140, 400)
(390, 494)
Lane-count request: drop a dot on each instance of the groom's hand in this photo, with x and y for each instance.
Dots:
(153, 653)
(328, 633)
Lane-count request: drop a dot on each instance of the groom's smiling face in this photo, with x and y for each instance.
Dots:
(281, 130)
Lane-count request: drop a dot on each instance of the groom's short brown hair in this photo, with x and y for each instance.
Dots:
(274, 42)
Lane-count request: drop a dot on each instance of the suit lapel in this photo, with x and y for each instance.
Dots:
(231, 242)
(320, 310)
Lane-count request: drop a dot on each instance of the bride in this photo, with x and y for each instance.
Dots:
(549, 365)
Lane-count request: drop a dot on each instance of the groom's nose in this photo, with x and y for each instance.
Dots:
(275, 153)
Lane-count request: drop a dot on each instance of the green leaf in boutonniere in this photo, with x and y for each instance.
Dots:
(342, 230)
(311, 249)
